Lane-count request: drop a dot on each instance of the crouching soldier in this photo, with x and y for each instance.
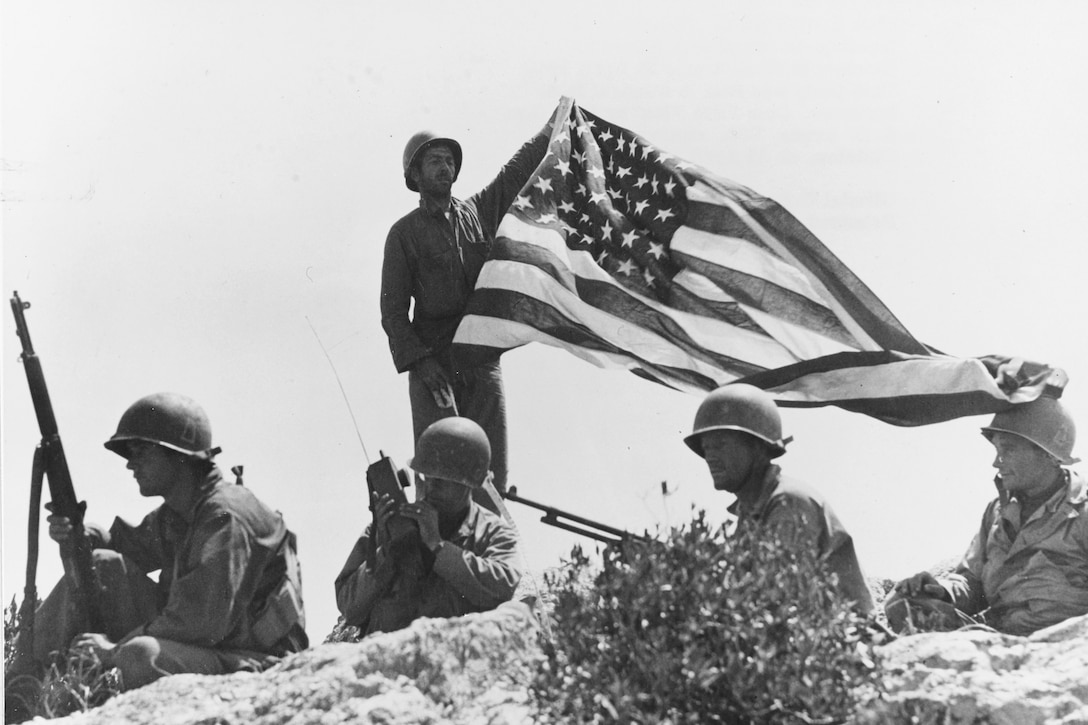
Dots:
(228, 596)
(443, 555)
(1027, 567)
(738, 430)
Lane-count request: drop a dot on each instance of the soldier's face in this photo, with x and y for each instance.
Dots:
(437, 171)
(448, 497)
(155, 469)
(731, 457)
(1025, 468)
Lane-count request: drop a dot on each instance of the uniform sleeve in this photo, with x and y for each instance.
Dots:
(396, 299)
(357, 587)
(202, 606)
(964, 584)
(486, 579)
(141, 543)
(493, 201)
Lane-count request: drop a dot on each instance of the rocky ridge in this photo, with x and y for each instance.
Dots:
(475, 670)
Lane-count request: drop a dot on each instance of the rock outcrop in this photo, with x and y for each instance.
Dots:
(473, 669)
(981, 677)
(476, 669)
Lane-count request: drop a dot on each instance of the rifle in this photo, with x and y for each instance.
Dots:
(581, 525)
(50, 462)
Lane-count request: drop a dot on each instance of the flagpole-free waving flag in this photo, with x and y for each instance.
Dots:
(631, 258)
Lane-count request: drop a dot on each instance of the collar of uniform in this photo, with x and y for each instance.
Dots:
(438, 213)
(200, 494)
(1072, 496)
(468, 524)
(768, 485)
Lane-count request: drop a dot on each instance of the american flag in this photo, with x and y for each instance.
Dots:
(632, 258)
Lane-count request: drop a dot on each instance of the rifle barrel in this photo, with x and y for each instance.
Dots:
(76, 552)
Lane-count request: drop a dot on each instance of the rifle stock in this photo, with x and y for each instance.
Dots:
(76, 551)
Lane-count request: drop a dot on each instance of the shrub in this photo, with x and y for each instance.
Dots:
(702, 628)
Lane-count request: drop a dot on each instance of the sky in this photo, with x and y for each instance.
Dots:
(188, 187)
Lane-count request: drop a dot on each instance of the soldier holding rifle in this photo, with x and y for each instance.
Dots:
(228, 596)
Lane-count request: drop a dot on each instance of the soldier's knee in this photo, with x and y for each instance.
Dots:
(136, 660)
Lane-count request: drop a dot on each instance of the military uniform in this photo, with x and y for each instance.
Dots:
(474, 570)
(1023, 576)
(228, 595)
(433, 260)
(799, 510)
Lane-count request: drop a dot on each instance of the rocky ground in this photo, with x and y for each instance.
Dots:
(973, 676)
(475, 670)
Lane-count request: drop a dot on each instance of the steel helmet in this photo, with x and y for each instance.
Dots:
(1044, 422)
(740, 407)
(455, 449)
(166, 419)
(420, 143)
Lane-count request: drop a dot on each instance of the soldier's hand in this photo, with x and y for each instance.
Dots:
(922, 585)
(435, 378)
(384, 509)
(426, 517)
(60, 528)
(93, 646)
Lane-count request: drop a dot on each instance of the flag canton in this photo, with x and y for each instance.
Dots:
(613, 195)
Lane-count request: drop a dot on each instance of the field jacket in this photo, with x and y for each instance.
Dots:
(435, 261)
(1030, 575)
(475, 570)
(800, 510)
(229, 576)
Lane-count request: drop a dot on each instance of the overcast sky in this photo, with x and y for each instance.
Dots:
(187, 185)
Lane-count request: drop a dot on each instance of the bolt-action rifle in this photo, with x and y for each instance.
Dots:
(51, 463)
(574, 523)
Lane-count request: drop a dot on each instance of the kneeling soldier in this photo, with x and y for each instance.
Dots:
(228, 596)
(453, 557)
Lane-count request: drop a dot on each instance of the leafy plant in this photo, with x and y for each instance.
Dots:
(67, 684)
(11, 628)
(702, 628)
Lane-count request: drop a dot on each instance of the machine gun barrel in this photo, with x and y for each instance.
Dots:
(575, 523)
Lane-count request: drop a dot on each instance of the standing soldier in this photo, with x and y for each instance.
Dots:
(228, 595)
(433, 256)
(464, 559)
(738, 430)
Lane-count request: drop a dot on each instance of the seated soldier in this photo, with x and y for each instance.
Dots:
(1027, 567)
(441, 556)
(738, 430)
(228, 596)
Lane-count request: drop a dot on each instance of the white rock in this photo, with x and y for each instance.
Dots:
(470, 669)
(975, 676)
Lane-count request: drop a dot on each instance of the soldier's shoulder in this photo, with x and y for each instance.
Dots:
(407, 221)
(236, 500)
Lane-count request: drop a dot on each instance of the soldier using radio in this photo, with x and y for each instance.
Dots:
(442, 555)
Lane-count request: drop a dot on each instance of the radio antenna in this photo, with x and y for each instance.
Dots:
(342, 391)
